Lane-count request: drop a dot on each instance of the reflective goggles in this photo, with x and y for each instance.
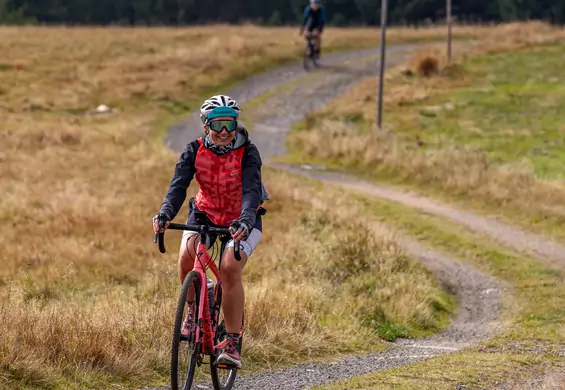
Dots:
(218, 126)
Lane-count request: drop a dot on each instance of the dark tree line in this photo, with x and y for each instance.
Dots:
(270, 12)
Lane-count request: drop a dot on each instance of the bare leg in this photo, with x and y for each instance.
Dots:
(233, 295)
(187, 254)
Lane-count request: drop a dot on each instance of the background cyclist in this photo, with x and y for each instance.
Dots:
(314, 19)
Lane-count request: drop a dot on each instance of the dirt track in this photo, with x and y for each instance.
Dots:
(479, 305)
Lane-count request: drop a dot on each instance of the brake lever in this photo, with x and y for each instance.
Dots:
(235, 227)
(160, 237)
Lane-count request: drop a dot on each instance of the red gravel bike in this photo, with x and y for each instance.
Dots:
(208, 332)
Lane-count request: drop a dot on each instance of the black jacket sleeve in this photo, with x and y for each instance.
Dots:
(306, 17)
(184, 173)
(251, 176)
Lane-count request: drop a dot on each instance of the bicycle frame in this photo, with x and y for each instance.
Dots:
(208, 324)
(311, 38)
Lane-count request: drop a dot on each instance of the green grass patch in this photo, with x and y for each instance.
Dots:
(6, 67)
(391, 332)
(498, 148)
(512, 111)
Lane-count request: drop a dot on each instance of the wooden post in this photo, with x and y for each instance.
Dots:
(384, 11)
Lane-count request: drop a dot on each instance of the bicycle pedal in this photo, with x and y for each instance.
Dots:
(225, 366)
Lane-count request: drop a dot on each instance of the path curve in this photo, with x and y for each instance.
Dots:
(547, 250)
(478, 294)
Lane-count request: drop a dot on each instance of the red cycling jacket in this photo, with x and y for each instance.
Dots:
(230, 184)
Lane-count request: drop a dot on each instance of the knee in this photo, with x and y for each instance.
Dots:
(230, 271)
(187, 253)
(186, 260)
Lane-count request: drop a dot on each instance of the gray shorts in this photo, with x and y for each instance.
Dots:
(247, 246)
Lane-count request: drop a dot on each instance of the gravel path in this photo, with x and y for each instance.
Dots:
(478, 294)
(182, 133)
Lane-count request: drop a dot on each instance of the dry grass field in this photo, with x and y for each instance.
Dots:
(86, 301)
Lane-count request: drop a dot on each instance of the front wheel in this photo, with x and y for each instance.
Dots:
(315, 59)
(185, 353)
(315, 55)
(307, 55)
(223, 378)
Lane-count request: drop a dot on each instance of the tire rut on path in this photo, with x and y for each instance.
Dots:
(478, 294)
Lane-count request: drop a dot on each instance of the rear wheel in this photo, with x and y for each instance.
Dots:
(185, 353)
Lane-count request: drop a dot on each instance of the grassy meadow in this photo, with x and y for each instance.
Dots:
(484, 130)
(528, 353)
(86, 300)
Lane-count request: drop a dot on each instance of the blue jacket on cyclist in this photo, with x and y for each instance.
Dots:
(314, 17)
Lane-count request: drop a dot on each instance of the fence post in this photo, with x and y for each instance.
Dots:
(449, 23)
(384, 11)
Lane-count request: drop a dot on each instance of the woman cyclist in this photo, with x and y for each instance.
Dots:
(227, 168)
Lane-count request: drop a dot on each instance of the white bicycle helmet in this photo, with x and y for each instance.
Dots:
(215, 102)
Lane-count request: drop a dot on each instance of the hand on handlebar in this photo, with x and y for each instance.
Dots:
(160, 223)
(239, 231)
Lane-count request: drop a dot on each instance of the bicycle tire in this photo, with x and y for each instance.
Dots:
(192, 279)
(307, 55)
(214, 370)
(315, 61)
(315, 55)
